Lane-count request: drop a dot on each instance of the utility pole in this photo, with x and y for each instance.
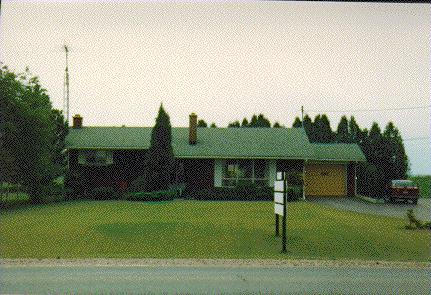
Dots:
(66, 87)
(302, 116)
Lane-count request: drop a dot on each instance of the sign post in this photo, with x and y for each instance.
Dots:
(280, 206)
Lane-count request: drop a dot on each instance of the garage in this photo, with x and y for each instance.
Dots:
(323, 180)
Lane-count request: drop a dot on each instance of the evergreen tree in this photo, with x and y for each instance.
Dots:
(262, 121)
(356, 135)
(213, 125)
(235, 124)
(159, 160)
(202, 123)
(322, 129)
(253, 121)
(343, 134)
(276, 125)
(309, 128)
(297, 123)
(397, 157)
(244, 123)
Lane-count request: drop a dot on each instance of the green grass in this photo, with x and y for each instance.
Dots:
(182, 229)
(424, 182)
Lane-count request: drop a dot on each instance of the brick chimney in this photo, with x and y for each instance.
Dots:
(193, 128)
(77, 121)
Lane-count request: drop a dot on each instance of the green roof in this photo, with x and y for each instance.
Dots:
(338, 152)
(258, 143)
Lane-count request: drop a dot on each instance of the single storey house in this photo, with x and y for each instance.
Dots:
(215, 157)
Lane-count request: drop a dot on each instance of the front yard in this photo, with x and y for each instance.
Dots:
(186, 229)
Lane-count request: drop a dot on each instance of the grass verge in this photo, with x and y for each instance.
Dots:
(197, 229)
(424, 183)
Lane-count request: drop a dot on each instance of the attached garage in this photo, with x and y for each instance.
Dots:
(331, 172)
(325, 180)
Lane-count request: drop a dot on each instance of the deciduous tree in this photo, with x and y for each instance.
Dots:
(30, 143)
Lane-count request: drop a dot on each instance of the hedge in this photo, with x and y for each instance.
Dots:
(166, 195)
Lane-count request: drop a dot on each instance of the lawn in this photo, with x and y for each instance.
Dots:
(182, 229)
(424, 182)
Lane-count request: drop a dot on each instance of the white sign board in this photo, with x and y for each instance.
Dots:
(279, 175)
(279, 185)
(279, 197)
(278, 208)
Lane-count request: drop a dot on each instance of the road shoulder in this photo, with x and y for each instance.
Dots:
(261, 263)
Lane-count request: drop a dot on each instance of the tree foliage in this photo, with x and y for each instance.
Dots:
(159, 160)
(343, 134)
(234, 124)
(259, 121)
(31, 133)
(297, 123)
(202, 123)
(385, 153)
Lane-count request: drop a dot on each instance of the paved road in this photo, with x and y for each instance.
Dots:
(422, 210)
(212, 280)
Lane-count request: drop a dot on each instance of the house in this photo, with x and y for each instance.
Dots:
(215, 157)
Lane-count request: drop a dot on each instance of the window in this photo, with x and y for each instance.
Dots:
(244, 171)
(95, 158)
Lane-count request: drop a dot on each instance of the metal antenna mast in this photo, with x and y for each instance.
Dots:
(302, 116)
(66, 86)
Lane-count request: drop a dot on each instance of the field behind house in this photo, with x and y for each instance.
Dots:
(424, 183)
(197, 229)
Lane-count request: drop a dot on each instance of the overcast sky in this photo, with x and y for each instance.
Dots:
(226, 61)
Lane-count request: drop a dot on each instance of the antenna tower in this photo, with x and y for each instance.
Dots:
(66, 87)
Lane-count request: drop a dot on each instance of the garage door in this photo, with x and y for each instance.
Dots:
(325, 180)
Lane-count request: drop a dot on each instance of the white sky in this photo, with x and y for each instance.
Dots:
(226, 61)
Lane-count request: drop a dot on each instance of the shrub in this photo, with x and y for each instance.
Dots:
(415, 223)
(241, 192)
(74, 184)
(294, 193)
(104, 193)
(166, 195)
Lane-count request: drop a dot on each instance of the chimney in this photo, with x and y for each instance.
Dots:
(77, 121)
(193, 128)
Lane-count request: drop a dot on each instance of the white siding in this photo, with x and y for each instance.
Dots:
(218, 172)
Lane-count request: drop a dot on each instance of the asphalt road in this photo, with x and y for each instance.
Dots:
(212, 280)
(422, 210)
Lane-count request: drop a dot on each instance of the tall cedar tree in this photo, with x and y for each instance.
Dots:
(159, 160)
(322, 130)
(297, 123)
(397, 157)
(343, 134)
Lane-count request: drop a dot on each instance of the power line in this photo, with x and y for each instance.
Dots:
(370, 110)
(416, 138)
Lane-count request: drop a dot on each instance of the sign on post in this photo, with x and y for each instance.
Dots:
(280, 205)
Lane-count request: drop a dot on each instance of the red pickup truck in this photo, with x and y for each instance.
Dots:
(404, 190)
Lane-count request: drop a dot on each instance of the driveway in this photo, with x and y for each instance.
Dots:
(422, 210)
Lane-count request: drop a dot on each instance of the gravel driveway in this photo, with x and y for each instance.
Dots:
(422, 210)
